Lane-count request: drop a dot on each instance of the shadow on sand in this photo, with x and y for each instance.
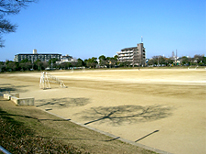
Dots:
(118, 115)
(8, 88)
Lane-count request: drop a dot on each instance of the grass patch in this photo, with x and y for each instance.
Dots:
(30, 130)
(17, 138)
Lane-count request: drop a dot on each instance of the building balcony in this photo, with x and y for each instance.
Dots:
(125, 55)
(126, 52)
(125, 58)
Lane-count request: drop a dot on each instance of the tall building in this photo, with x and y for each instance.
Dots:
(133, 55)
(33, 57)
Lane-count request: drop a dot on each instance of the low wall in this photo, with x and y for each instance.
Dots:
(18, 101)
(7, 96)
(23, 101)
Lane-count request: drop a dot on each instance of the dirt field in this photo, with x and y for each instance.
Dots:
(163, 109)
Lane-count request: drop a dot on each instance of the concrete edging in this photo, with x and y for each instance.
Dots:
(23, 101)
(19, 101)
(7, 96)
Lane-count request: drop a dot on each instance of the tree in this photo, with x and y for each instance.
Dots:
(184, 60)
(116, 57)
(11, 66)
(8, 7)
(24, 61)
(111, 61)
(169, 61)
(102, 60)
(162, 60)
(191, 61)
(159, 60)
(91, 62)
(65, 65)
(198, 58)
(155, 60)
(39, 65)
(80, 62)
(204, 60)
(25, 66)
(52, 63)
(151, 62)
(2, 67)
(108, 61)
(85, 62)
(124, 64)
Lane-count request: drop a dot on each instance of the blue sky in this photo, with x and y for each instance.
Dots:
(90, 28)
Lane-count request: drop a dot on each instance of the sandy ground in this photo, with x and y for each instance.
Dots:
(163, 109)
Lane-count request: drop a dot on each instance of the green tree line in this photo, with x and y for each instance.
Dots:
(26, 65)
(104, 62)
(198, 60)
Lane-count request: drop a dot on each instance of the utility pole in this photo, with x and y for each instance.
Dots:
(176, 58)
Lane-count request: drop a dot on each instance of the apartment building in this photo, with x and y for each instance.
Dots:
(33, 57)
(133, 55)
(66, 58)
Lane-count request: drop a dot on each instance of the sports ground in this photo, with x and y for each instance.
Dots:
(160, 108)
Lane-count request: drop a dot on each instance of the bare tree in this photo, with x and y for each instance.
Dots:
(8, 7)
